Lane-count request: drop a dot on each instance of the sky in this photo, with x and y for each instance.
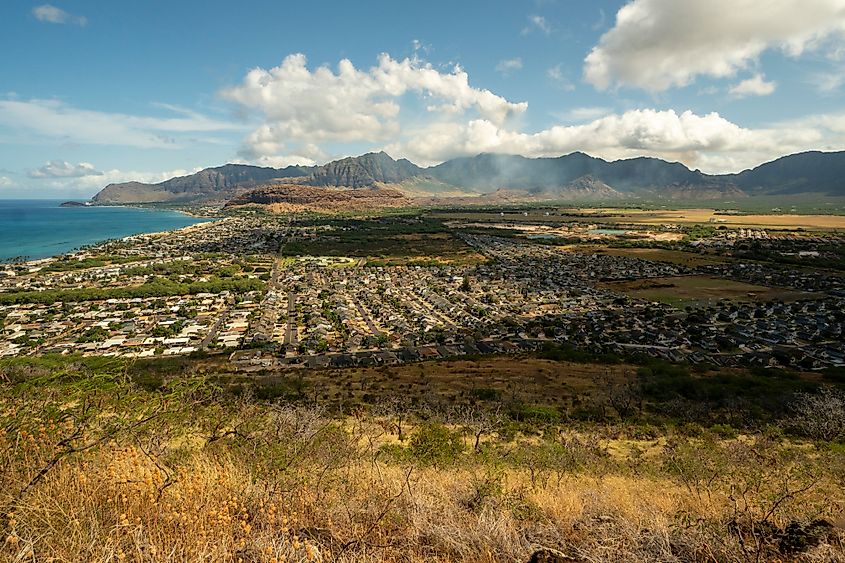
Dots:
(99, 91)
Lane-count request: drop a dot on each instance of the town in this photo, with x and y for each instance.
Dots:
(275, 292)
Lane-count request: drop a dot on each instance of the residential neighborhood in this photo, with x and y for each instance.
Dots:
(227, 286)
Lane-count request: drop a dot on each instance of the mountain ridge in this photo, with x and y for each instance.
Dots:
(806, 172)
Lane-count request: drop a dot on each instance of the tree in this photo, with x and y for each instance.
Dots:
(820, 415)
(479, 422)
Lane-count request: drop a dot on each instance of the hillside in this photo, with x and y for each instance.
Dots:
(296, 198)
(573, 176)
(209, 184)
(808, 172)
(364, 171)
(556, 174)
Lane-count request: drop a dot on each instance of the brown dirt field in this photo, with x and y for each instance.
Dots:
(656, 255)
(701, 290)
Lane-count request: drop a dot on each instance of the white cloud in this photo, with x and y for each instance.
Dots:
(64, 169)
(51, 14)
(87, 185)
(506, 66)
(536, 22)
(658, 44)
(557, 75)
(827, 83)
(754, 86)
(56, 120)
(588, 113)
(6, 182)
(102, 179)
(300, 106)
(709, 142)
(312, 115)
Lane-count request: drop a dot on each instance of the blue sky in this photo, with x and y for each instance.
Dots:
(93, 92)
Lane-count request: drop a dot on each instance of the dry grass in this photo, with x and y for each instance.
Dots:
(703, 216)
(528, 379)
(702, 290)
(95, 469)
(111, 507)
(624, 216)
(690, 259)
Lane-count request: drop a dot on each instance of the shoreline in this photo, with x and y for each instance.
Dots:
(92, 246)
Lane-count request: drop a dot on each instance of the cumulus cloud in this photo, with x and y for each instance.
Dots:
(64, 169)
(309, 116)
(301, 106)
(6, 182)
(709, 142)
(659, 44)
(754, 86)
(506, 66)
(56, 120)
(51, 14)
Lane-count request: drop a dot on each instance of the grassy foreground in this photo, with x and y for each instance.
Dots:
(95, 467)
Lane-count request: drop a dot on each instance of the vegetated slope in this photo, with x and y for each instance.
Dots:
(807, 172)
(209, 184)
(562, 174)
(182, 460)
(364, 171)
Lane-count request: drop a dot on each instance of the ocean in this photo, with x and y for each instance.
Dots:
(38, 228)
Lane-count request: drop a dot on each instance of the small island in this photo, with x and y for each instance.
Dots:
(75, 204)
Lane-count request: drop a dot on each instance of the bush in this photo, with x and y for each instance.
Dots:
(821, 415)
(725, 431)
(434, 444)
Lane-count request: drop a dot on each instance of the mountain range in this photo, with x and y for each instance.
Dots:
(575, 176)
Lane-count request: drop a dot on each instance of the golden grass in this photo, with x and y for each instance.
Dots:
(701, 216)
(121, 503)
(111, 508)
(93, 468)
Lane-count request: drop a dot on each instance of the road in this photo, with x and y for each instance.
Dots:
(373, 328)
(290, 332)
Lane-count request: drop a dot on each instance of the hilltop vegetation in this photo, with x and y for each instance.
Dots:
(108, 460)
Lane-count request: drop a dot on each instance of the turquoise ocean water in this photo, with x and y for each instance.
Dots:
(41, 228)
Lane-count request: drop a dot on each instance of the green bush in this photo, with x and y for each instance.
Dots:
(434, 444)
(725, 431)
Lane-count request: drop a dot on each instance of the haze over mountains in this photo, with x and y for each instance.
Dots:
(576, 176)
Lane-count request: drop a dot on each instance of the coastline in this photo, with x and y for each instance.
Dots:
(27, 239)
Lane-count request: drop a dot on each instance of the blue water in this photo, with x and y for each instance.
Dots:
(40, 228)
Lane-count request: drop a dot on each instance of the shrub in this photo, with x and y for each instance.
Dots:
(821, 415)
(725, 431)
(434, 444)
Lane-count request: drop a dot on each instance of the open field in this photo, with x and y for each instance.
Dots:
(626, 216)
(691, 259)
(702, 290)
(387, 242)
(696, 216)
(527, 379)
